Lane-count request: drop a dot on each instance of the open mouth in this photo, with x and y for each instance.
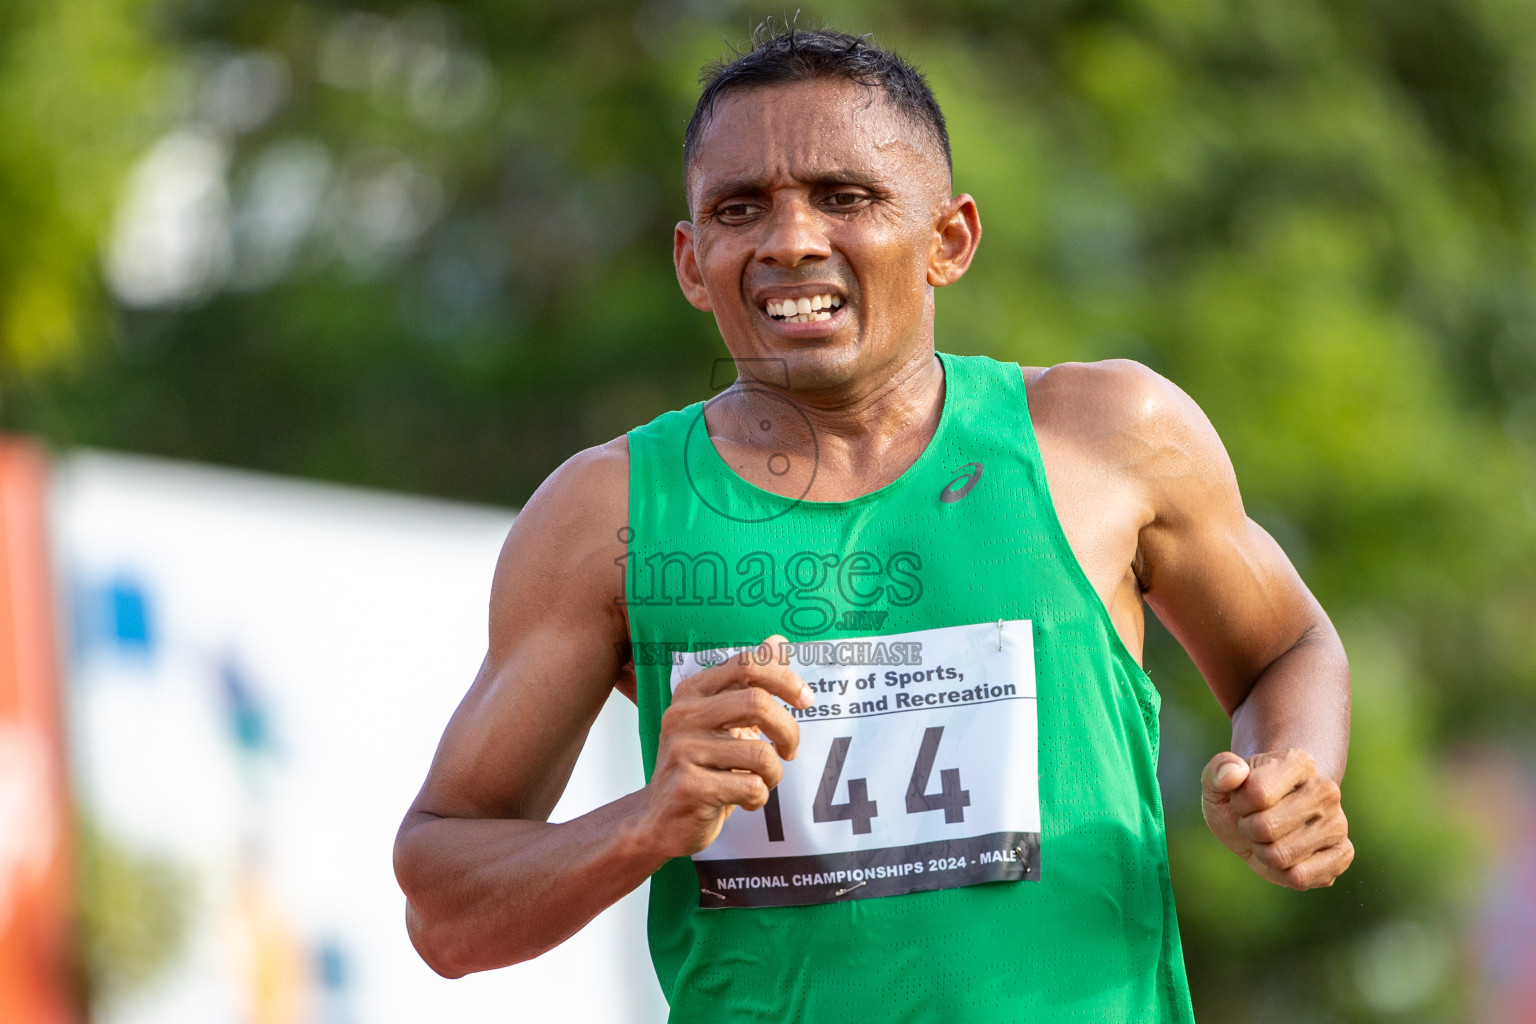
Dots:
(804, 310)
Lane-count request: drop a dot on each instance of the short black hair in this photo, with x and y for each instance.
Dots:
(786, 55)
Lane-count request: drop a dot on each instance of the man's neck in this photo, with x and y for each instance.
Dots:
(831, 444)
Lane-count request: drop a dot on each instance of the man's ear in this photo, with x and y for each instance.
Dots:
(687, 266)
(956, 234)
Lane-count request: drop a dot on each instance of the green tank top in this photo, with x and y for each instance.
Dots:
(966, 536)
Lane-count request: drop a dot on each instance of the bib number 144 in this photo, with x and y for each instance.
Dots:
(859, 809)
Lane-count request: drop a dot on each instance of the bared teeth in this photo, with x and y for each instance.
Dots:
(808, 309)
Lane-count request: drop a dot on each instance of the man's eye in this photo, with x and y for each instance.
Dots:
(735, 210)
(845, 199)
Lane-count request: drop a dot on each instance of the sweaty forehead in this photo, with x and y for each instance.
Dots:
(805, 131)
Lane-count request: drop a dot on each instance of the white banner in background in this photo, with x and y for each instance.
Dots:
(260, 670)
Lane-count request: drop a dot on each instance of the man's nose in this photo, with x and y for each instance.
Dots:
(794, 234)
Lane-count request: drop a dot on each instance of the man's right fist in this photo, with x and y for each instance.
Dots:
(712, 756)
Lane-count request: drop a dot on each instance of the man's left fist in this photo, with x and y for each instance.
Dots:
(1277, 813)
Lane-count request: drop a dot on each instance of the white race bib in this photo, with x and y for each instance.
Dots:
(917, 770)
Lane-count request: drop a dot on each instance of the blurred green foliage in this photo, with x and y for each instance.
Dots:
(133, 914)
(426, 247)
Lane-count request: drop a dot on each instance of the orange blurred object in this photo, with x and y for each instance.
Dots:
(35, 882)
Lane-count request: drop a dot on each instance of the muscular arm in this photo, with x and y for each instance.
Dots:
(488, 880)
(1224, 588)
(1228, 593)
(1230, 596)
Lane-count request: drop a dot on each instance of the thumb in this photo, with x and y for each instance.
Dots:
(1223, 774)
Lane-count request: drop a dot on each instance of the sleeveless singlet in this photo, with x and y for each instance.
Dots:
(1085, 930)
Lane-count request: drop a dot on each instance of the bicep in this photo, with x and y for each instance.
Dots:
(556, 649)
(1215, 578)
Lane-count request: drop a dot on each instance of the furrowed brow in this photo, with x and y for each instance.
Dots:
(841, 176)
(743, 186)
(747, 185)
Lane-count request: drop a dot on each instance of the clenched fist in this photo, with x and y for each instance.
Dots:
(1280, 815)
(712, 756)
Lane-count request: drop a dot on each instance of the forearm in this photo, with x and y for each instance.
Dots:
(485, 893)
(1300, 701)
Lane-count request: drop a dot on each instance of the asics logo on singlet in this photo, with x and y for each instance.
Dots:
(961, 485)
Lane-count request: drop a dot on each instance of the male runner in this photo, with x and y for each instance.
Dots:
(959, 550)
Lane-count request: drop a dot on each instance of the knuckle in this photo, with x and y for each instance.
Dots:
(1264, 795)
(1301, 759)
(756, 794)
(1280, 857)
(1261, 828)
(762, 756)
(673, 718)
(1286, 855)
(673, 754)
(772, 771)
(678, 784)
(762, 702)
(1276, 790)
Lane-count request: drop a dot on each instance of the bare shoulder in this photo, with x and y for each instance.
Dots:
(554, 652)
(1106, 398)
(1126, 417)
(565, 540)
(590, 486)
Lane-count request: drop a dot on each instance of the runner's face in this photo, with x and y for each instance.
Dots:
(816, 190)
